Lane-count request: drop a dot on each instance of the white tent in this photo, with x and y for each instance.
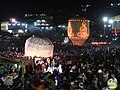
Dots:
(40, 47)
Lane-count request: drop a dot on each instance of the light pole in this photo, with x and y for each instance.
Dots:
(105, 19)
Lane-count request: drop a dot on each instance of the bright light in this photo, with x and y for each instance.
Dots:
(43, 20)
(26, 25)
(38, 24)
(111, 4)
(13, 24)
(105, 19)
(42, 24)
(6, 27)
(13, 20)
(109, 25)
(35, 24)
(111, 21)
(46, 27)
(16, 35)
(23, 24)
(18, 24)
(38, 21)
(106, 36)
(59, 25)
(20, 31)
(100, 35)
(9, 24)
(42, 27)
(63, 26)
(105, 26)
(51, 27)
(66, 40)
(87, 5)
(47, 24)
(10, 31)
(25, 30)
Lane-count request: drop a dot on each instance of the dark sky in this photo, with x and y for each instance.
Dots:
(17, 8)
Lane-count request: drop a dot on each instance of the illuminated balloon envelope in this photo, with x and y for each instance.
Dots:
(40, 47)
(78, 30)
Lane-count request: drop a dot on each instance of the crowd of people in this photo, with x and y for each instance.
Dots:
(86, 67)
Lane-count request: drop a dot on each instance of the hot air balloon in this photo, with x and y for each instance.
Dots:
(78, 30)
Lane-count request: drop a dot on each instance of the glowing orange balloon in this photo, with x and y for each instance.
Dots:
(78, 30)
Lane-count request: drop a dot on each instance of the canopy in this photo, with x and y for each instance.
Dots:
(21, 59)
(4, 60)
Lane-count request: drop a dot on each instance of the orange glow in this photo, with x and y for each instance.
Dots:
(70, 33)
(98, 43)
(42, 53)
(78, 31)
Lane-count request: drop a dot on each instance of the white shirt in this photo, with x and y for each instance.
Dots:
(8, 81)
(3, 79)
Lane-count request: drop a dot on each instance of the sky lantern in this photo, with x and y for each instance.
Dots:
(40, 47)
(78, 30)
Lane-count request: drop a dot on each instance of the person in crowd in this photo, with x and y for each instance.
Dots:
(95, 82)
(18, 84)
(3, 78)
(112, 82)
(58, 80)
(2, 70)
(9, 81)
(3, 86)
(46, 80)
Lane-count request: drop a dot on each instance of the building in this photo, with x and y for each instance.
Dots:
(39, 21)
(30, 22)
(113, 5)
(14, 26)
(116, 24)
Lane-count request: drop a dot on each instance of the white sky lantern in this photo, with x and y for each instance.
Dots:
(40, 47)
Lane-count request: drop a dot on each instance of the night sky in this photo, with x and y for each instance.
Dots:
(17, 8)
